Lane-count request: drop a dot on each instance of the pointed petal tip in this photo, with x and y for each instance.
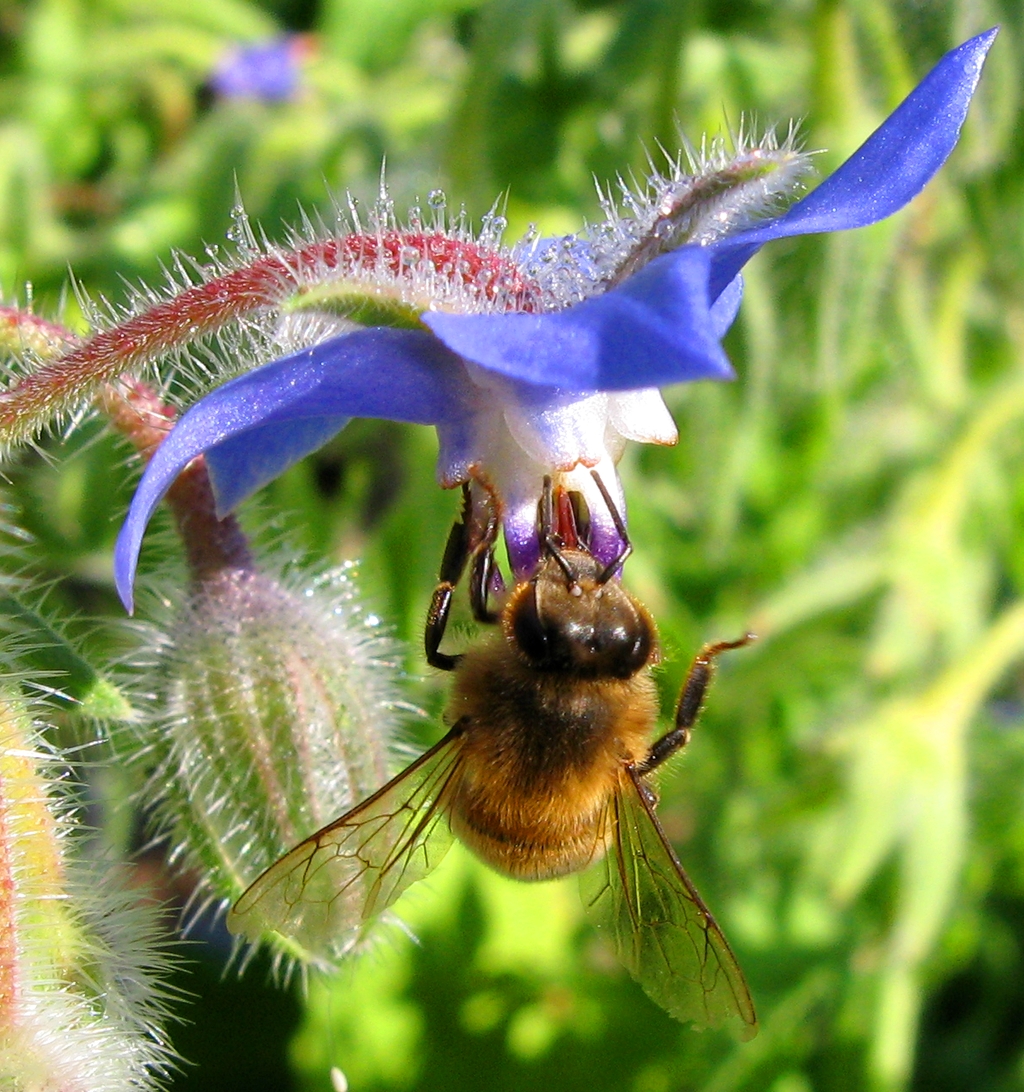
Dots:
(975, 49)
(885, 173)
(985, 39)
(126, 556)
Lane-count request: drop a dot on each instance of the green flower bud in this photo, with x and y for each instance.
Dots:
(278, 709)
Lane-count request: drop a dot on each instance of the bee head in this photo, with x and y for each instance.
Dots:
(571, 618)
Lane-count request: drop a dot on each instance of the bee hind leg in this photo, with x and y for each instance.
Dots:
(691, 701)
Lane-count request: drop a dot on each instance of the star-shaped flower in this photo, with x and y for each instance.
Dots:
(544, 359)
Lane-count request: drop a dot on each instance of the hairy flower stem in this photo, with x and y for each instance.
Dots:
(264, 282)
(212, 545)
(714, 202)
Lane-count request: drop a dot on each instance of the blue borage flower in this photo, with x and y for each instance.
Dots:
(269, 70)
(553, 378)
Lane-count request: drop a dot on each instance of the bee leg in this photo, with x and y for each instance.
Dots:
(691, 701)
(483, 571)
(456, 554)
(465, 541)
(480, 578)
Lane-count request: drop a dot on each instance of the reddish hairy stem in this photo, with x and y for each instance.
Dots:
(265, 282)
(133, 408)
(212, 545)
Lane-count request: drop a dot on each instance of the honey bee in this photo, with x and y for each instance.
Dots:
(545, 770)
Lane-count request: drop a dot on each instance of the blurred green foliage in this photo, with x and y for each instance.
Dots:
(852, 805)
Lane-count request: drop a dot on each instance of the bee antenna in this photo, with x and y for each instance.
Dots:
(552, 546)
(620, 526)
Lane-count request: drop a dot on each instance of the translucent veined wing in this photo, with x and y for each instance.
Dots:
(660, 927)
(320, 894)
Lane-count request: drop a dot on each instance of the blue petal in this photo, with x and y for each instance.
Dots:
(274, 415)
(725, 308)
(653, 329)
(891, 168)
(246, 462)
(663, 324)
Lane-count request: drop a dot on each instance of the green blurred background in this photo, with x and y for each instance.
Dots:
(852, 806)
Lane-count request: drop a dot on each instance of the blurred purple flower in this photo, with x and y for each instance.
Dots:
(553, 378)
(266, 70)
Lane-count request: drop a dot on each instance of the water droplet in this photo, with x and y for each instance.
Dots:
(353, 211)
(240, 233)
(437, 200)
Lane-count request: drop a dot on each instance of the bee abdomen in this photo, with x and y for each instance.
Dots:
(527, 850)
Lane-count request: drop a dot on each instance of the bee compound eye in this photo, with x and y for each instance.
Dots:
(530, 634)
(626, 643)
(641, 649)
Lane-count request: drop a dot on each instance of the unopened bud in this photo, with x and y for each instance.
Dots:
(278, 713)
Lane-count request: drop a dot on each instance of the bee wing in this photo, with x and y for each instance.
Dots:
(661, 929)
(321, 893)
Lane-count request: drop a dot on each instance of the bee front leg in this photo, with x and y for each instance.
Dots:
(465, 541)
(691, 701)
(480, 580)
(484, 571)
(456, 554)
